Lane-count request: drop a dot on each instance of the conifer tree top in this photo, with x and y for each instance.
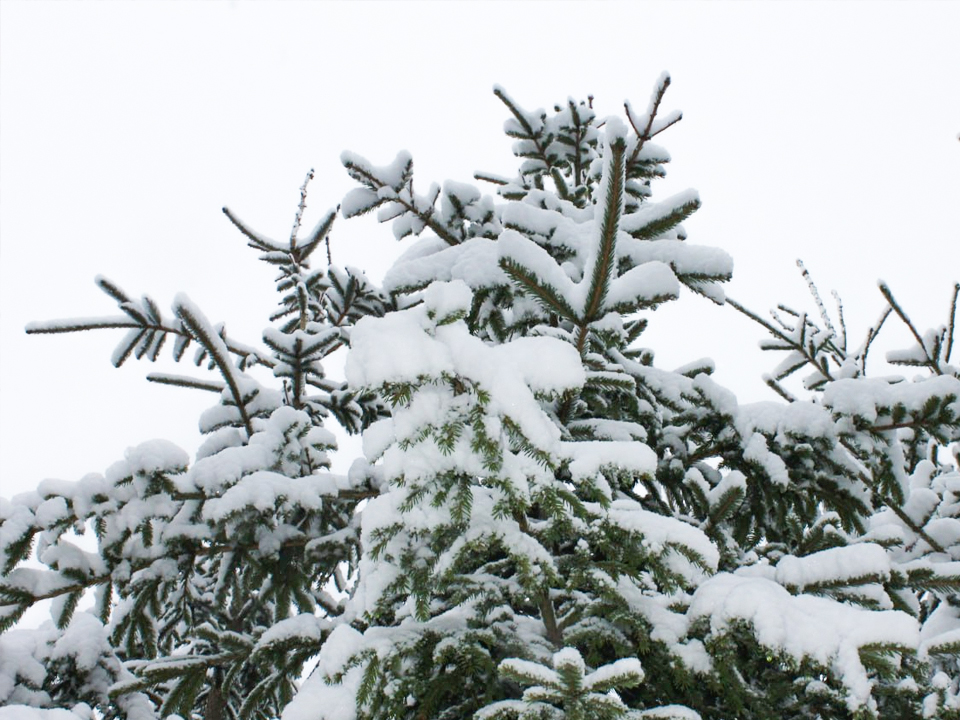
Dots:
(544, 522)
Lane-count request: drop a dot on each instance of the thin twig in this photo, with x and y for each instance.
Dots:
(843, 324)
(812, 287)
(888, 295)
(953, 322)
(300, 208)
(645, 135)
(871, 336)
(778, 334)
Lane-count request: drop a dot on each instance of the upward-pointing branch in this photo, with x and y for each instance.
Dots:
(609, 225)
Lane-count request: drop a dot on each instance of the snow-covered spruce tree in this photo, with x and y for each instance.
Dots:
(554, 527)
(555, 506)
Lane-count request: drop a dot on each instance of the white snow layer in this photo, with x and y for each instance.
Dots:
(509, 373)
(320, 698)
(834, 566)
(24, 712)
(804, 626)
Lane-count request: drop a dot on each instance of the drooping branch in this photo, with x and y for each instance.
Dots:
(200, 328)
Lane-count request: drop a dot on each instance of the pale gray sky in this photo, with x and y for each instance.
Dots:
(826, 131)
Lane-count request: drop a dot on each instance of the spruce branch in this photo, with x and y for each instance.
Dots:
(605, 262)
(533, 136)
(321, 231)
(548, 295)
(186, 381)
(11, 595)
(648, 130)
(931, 362)
(779, 389)
(802, 347)
(255, 239)
(650, 225)
(491, 178)
(198, 325)
(143, 324)
(427, 218)
(874, 487)
(578, 169)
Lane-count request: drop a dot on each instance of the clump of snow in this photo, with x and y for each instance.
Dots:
(805, 626)
(23, 712)
(652, 281)
(607, 675)
(670, 712)
(446, 300)
(587, 458)
(510, 373)
(660, 531)
(866, 397)
(322, 697)
(834, 566)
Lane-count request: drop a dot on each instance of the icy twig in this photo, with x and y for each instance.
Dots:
(301, 206)
(843, 323)
(953, 322)
(816, 296)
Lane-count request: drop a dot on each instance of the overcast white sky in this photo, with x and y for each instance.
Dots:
(826, 131)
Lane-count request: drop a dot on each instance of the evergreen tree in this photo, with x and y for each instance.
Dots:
(545, 523)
